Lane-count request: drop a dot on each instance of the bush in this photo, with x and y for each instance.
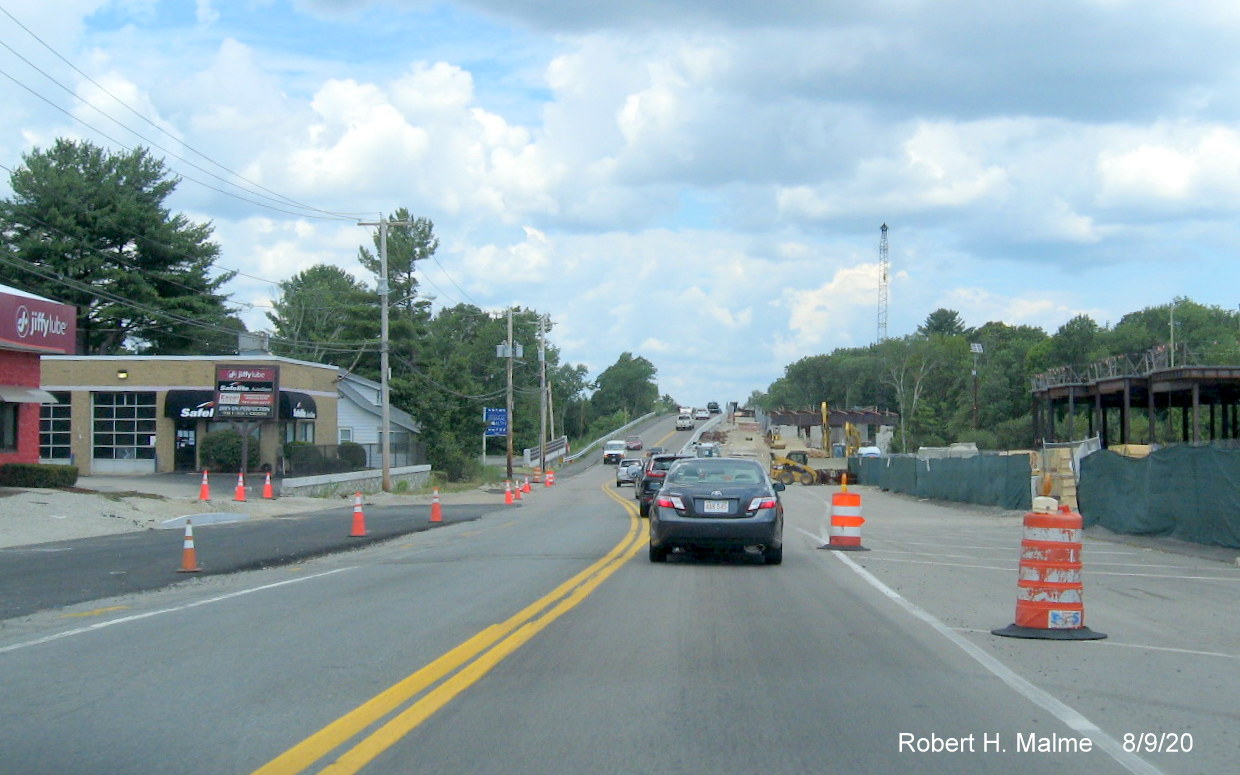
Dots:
(37, 475)
(221, 451)
(303, 458)
(352, 453)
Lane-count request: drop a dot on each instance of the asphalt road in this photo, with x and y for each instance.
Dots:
(540, 640)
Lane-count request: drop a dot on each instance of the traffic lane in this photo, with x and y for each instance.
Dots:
(730, 666)
(257, 672)
(1167, 665)
(65, 573)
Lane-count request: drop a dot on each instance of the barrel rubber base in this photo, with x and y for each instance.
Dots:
(1074, 633)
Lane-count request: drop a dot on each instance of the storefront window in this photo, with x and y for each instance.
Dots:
(124, 426)
(54, 429)
(8, 427)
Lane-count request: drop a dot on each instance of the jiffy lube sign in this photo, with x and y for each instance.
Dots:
(34, 323)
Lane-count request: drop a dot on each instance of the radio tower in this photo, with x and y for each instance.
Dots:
(882, 286)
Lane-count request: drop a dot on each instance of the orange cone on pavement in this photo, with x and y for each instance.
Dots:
(516, 493)
(436, 508)
(508, 498)
(189, 557)
(204, 489)
(239, 493)
(846, 520)
(359, 518)
(1049, 601)
(267, 493)
(526, 487)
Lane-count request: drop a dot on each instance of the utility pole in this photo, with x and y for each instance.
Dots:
(542, 393)
(385, 432)
(511, 353)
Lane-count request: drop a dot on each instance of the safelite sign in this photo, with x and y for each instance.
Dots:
(246, 392)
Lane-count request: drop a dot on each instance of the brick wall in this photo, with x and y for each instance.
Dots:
(22, 369)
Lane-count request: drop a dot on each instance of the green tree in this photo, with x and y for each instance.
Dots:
(323, 314)
(628, 385)
(945, 322)
(91, 228)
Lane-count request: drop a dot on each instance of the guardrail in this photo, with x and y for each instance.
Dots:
(575, 456)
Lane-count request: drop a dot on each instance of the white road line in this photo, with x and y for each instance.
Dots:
(148, 614)
(1146, 647)
(1065, 713)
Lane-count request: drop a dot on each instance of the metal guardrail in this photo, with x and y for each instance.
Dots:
(575, 456)
(1130, 365)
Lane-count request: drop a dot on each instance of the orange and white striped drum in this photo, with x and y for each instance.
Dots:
(846, 520)
(1050, 597)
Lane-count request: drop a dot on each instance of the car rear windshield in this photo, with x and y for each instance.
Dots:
(717, 471)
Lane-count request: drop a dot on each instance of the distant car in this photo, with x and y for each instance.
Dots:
(714, 504)
(613, 451)
(633, 442)
(627, 470)
(713, 407)
(656, 451)
(684, 422)
(701, 414)
(652, 474)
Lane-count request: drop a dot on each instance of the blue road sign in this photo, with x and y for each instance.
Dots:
(497, 421)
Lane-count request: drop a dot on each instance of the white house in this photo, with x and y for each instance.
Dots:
(359, 419)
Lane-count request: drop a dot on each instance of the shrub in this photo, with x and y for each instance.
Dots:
(352, 453)
(221, 451)
(304, 458)
(37, 475)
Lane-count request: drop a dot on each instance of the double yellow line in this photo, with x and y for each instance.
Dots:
(462, 667)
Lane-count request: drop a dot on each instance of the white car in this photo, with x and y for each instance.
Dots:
(627, 470)
(701, 414)
(684, 422)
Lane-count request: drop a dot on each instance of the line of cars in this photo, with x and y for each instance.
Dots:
(704, 502)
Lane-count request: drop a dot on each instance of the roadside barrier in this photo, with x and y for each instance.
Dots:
(846, 520)
(508, 498)
(1049, 598)
(189, 556)
(267, 493)
(436, 508)
(359, 518)
(204, 489)
(239, 493)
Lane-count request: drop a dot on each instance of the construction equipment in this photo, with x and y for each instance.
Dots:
(798, 466)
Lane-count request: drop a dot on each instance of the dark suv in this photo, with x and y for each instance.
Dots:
(651, 479)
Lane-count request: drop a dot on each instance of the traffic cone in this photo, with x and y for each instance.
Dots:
(239, 493)
(1050, 601)
(189, 557)
(204, 489)
(508, 498)
(436, 508)
(549, 477)
(526, 487)
(359, 519)
(267, 493)
(516, 493)
(846, 520)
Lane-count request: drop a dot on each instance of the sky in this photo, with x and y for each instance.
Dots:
(698, 182)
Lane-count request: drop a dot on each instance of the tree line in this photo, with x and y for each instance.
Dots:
(930, 377)
(92, 228)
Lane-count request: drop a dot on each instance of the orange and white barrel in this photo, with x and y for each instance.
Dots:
(846, 520)
(1050, 601)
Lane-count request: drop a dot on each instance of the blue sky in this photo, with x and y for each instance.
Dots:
(699, 182)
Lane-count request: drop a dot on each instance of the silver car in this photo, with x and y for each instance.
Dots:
(627, 471)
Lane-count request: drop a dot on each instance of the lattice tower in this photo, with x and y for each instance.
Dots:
(882, 285)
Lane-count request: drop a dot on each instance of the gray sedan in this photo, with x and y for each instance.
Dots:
(710, 504)
(627, 471)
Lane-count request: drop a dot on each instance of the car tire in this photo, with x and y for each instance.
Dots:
(618, 483)
(658, 553)
(773, 555)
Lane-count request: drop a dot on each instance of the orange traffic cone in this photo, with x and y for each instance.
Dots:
(359, 519)
(516, 493)
(239, 493)
(189, 557)
(436, 509)
(526, 487)
(204, 489)
(267, 493)
(508, 498)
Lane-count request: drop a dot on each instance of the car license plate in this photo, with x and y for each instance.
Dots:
(714, 507)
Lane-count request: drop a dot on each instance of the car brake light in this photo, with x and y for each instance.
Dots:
(762, 502)
(670, 502)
